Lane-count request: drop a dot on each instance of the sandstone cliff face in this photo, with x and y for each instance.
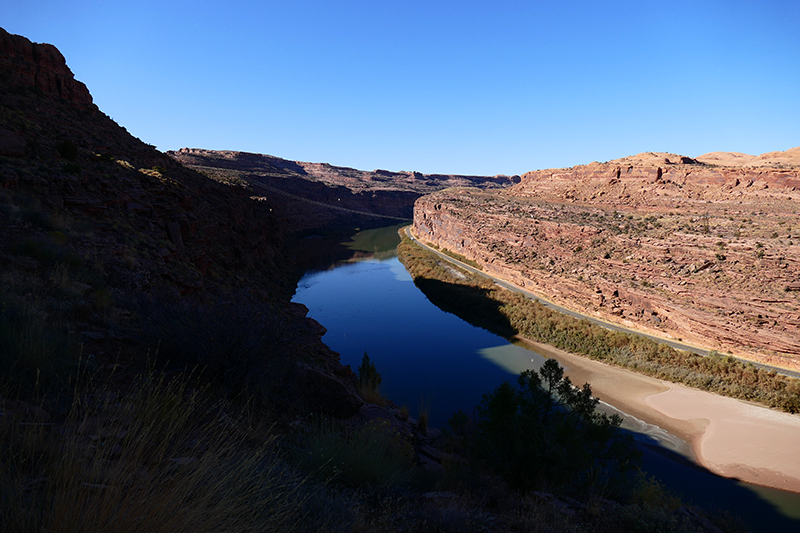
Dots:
(707, 254)
(39, 66)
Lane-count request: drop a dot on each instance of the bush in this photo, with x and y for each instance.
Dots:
(67, 150)
(31, 348)
(546, 433)
(482, 302)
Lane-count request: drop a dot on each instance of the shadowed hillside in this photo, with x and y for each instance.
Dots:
(312, 195)
(112, 240)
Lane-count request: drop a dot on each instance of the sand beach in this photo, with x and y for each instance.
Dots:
(729, 437)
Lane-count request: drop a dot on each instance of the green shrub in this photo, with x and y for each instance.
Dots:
(67, 150)
(480, 301)
(546, 433)
(369, 379)
(650, 492)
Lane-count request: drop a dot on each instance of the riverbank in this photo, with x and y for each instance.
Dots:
(729, 437)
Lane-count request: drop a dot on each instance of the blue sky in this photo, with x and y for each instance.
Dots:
(466, 87)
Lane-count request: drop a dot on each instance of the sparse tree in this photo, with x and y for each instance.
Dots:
(368, 377)
(546, 433)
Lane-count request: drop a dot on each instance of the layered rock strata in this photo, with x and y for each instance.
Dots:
(659, 242)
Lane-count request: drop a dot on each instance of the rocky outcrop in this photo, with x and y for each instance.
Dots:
(669, 180)
(41, 67)
(666, 244)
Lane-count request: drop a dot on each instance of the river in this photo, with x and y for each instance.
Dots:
(434, 361)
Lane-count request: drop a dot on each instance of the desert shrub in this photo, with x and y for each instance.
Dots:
(650, 492)
(373, 454)
(403, 413)
(424, 415)
(481, 302)
(546, 433)
(369, 379)
(72, 168)
(48, 250)
(67, 150)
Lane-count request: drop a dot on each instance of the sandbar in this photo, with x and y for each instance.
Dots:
(729, 437)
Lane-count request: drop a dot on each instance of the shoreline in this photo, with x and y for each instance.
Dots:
(787, 367)
(729, 437)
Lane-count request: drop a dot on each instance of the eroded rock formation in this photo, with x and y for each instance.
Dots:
(661, 242)
(39, 66)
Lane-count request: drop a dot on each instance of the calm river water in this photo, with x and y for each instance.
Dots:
(430, 359)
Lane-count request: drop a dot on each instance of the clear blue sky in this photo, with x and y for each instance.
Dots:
(467, 87)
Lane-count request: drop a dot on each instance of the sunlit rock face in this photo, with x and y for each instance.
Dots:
(706, 249)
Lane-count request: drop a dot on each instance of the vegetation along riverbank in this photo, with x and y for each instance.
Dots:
(481, 301)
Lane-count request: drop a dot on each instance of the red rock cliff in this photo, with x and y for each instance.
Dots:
(39, 66)
(663, 243)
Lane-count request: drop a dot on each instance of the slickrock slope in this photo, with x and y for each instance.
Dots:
(315, 194)
(99, 231)
(661, 242)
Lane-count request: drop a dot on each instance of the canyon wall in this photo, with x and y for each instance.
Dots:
(103, 236)
(316, 195)
(659, 242)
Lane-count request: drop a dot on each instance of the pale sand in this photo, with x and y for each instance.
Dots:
(741, 440)
(729, 437)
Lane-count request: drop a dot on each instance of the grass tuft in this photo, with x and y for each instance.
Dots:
(161, 459)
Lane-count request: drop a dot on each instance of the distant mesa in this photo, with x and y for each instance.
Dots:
(315, 194)
(788, 158)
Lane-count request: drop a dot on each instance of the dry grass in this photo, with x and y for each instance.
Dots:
(160, 459)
